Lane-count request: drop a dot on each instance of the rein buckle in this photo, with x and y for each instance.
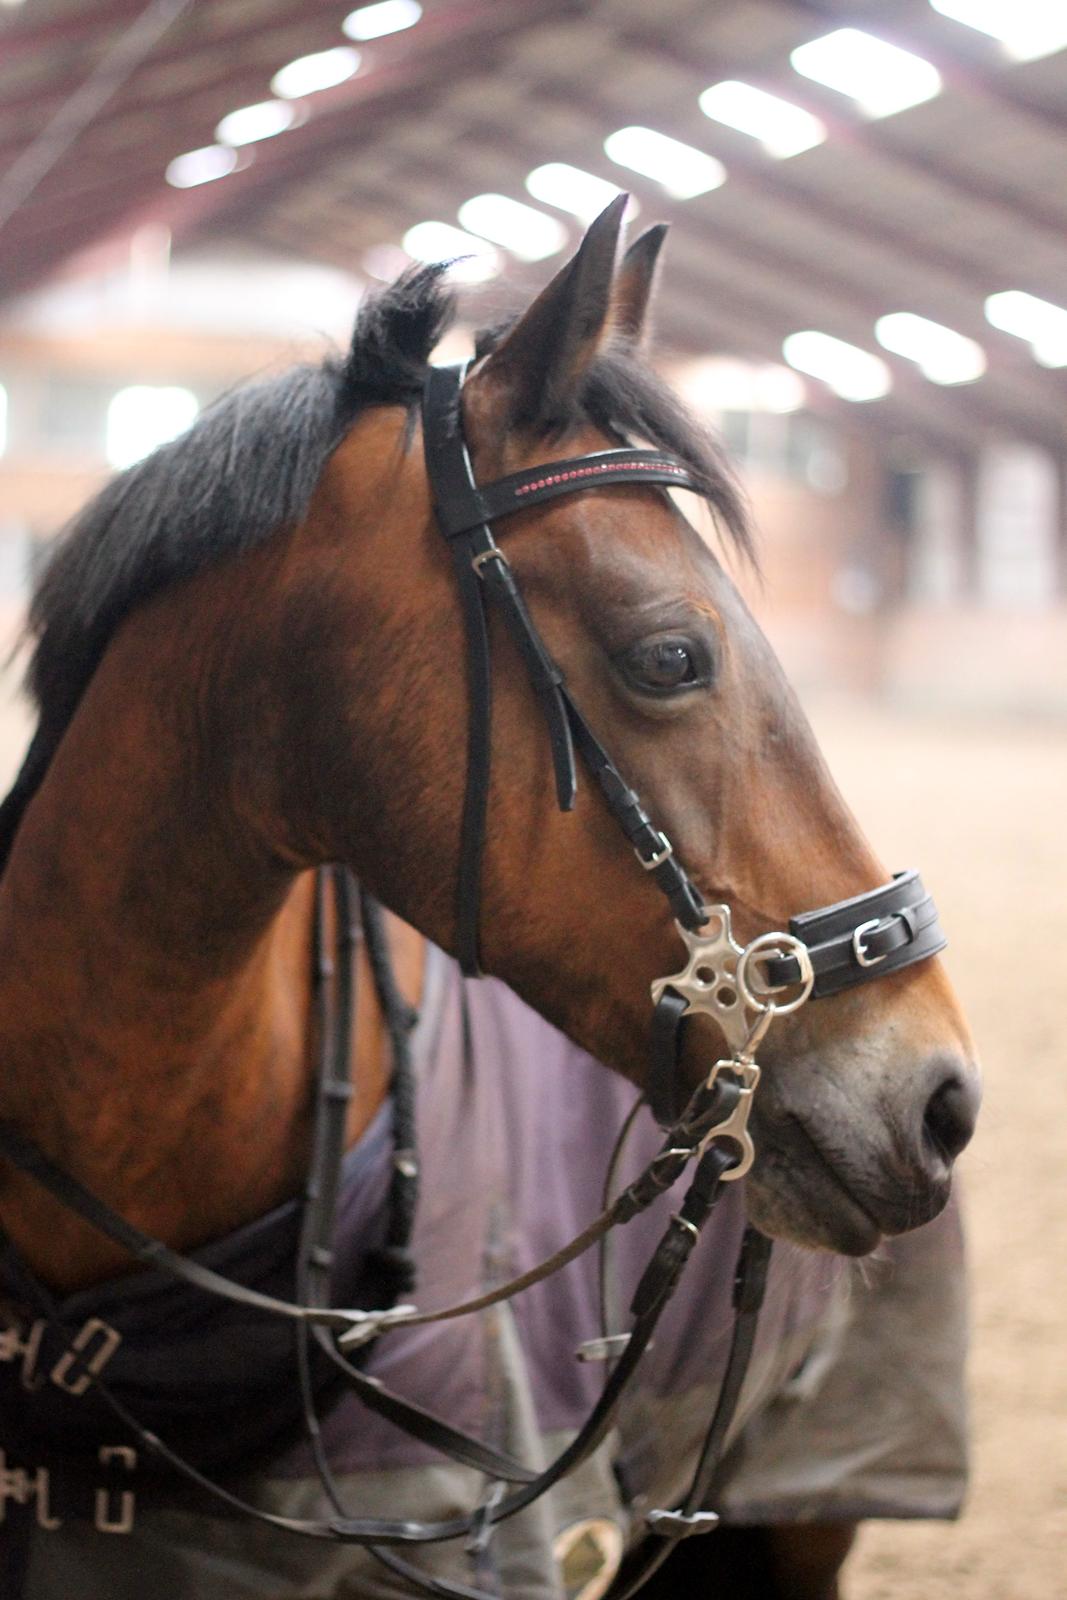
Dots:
(676, 1525)
(607, 1348)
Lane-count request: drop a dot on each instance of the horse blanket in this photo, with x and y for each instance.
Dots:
(853, 1406)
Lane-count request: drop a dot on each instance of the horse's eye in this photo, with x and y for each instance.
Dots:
(659, 666)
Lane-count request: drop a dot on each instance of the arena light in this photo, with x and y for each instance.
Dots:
(440, 241)
(529, 234)
(721, 383)
(261, 121)
(1041, 323)
(881, 78)
(374, 22)
(1026, 29)
(141, 417)
(941, 354)
(309, 74)
(782, 128)
(201, 166)
(683, 171)
(850, 372)
(581, 193)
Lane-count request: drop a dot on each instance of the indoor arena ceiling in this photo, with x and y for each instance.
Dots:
(929, 210)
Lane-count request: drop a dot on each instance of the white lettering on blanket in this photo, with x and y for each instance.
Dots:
(90, 1351)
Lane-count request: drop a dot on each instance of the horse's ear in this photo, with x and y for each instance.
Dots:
(635, 283)
(541, 362)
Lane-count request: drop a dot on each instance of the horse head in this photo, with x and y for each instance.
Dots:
(867, 1095)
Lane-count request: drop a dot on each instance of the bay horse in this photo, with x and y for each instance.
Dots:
(249, 665)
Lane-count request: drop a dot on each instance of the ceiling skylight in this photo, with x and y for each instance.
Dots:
(309, 74)
(683, 171)
(440, 241)
(141, 417)
(1027, 29)
(201, 166)
(374, 22)
(782, 128)
(881, 78)
(581, 193)
(261, 121)
(721, 383)
(529, 234)
(850, 372)
(1041, 323)
(941, 354)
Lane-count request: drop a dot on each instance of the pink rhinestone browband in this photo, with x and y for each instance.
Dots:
(592, 471)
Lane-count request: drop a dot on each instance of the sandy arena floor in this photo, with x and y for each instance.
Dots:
(978, 806)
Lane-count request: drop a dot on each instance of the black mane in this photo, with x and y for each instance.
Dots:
(248, 467)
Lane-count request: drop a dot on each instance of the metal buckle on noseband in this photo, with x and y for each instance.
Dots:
(862, 958)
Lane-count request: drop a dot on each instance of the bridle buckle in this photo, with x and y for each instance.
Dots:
(663, 853)
(862, 958)
(494, 553)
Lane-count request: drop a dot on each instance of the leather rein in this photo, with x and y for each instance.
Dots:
(743, 989)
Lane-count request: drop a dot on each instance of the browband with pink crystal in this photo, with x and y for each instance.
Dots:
(520, 489)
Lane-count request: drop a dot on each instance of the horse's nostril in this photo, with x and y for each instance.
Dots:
(950, 1115)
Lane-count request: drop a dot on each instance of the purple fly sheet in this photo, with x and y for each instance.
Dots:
(853, 1405)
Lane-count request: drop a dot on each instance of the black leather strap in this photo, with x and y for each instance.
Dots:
(545, 675)
(449, 471)
(25, 1155)
(689, 1518)
(664, 1077)
(652, 848)
(706, 1108)
(464, 511)
(652, 1295)
(866, 937)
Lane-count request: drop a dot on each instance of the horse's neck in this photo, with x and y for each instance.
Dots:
(156, 1034)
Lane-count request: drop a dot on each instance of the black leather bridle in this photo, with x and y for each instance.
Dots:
(824, 951)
